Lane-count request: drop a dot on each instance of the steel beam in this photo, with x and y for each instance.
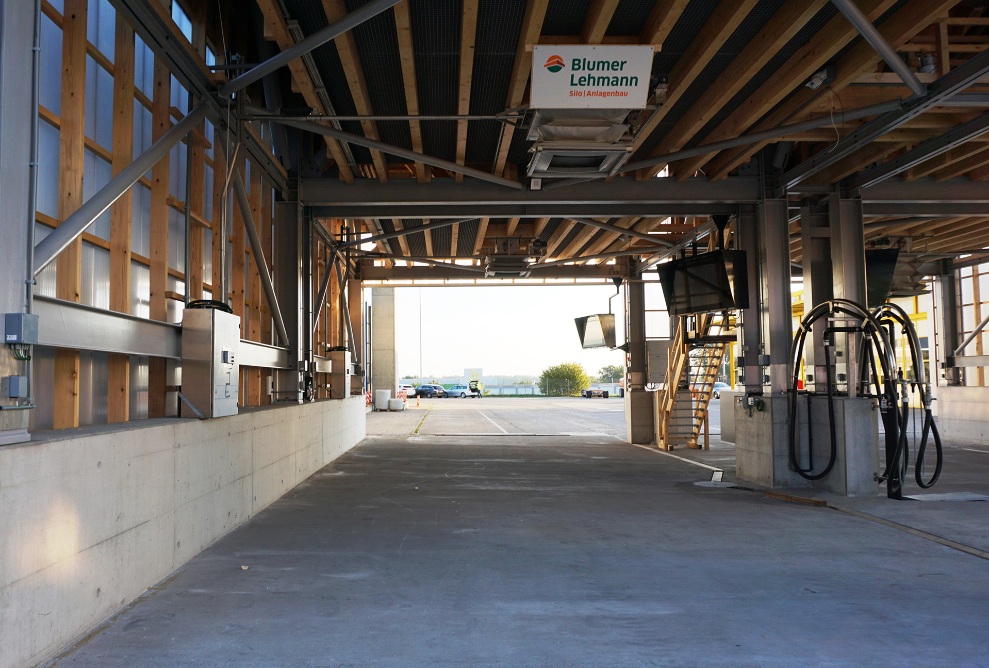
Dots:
(659, 197)
(590, 222)
(401, 233)
(77, 223)
(158, 32)
(756, 137)
(702, 230)
(324, 285)
(924, 151)
(345, 312)
(941, 90)
(314, 40)
(64, 324)
(259, 259)
(409, 274)
(263, 356)
(401, 152)
(879, 43)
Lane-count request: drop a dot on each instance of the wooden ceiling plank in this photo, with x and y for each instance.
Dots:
(607, 238)
(705, 45)
(778, 31)
(274, 22)
(854, 163)
(555, 239)
(513, 224)
(598, 19)
(944, 160)
(351, 62)
(903, 25)
(540, 225)
(664, 16)
(468, 36)
(532, 27)
(406, 50)
(403, 240)
(482, 232)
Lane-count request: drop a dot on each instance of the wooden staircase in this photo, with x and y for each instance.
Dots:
(694, 361)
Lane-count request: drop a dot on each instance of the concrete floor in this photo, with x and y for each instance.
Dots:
(570, 549)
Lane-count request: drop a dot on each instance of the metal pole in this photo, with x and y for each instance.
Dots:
(401, 233)
(402, 153)
(971, 337)
(259, 260)
(756, 137)
(621, 230)
(323, 287)
(346, 309)
(879, 43)
(314, 40)
(73, 226)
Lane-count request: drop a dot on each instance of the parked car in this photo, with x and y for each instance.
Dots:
(587, 394)
(430, 390)
(463, 391)
(718, 387)
(410, 390)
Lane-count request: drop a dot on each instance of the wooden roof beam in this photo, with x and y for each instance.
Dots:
(777, 32)
(705, 45)
(468, 35)
(277, 30)
(597, 21)
(403, 28)
(945, 160)
(351, 62)
(907, 22)
(532, 26)
(659, 25)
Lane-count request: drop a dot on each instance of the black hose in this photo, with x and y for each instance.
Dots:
(930, 428)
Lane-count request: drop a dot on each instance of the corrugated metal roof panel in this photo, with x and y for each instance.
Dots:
(466, 236)
(565, 17)
(436, 39)
(630, 17)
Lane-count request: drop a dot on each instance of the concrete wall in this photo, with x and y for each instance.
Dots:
(92, 518)
(961, 413)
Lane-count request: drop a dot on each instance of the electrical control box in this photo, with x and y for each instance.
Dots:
(13, 387)
(20, 328)
(210, 361)
(340, 372)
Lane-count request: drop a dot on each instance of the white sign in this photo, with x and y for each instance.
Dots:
(590, 77)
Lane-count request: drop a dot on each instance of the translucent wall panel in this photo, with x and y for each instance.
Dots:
(142, 131)
(140, 232)
(43, 388)
(48, 171)
(181, 20)
(208, 255)
(208, 200)
(44, 282)
(176, 239)
(93, 388)
(211, 138)
(144, 68)
(177, 160)
(138, 387)
(95, 276)
(99, 104)
(51, 65)
(140, 290)
(96, 174)
(175, 307)
(101, 26)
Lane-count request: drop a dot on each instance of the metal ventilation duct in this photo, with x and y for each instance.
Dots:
(578, 142)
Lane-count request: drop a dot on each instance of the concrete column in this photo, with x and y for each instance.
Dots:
(288, 288)
(16, 215)
(815, 232)
(355, 302)
(848, 272)
(384, 367)
(640, 418)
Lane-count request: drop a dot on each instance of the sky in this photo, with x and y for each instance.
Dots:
(503, 330)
